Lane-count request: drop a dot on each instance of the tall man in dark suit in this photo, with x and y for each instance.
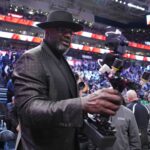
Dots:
(47, 100)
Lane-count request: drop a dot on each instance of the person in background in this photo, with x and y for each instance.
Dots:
(148, 106)
(12, 123)
(144, 99)
(148, 97)
(127, 134)
(48, 106)
(82, 86)
(10, 90)
(7, 135)
(141, 115)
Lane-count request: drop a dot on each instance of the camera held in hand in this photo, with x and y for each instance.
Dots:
(98, 127)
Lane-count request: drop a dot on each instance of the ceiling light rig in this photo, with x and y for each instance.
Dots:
(26, 9)
(136, 6)
(131, 5)
(84, 22)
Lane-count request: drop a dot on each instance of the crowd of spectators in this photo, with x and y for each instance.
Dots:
(88, 71)
(9, 122)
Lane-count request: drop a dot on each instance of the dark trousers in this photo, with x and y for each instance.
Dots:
(144, 139)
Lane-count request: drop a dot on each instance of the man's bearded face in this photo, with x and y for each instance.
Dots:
(59, 39)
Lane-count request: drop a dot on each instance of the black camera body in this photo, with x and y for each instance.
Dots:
(100, 132)
(118, 81)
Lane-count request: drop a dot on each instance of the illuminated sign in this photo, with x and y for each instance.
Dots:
(18, 20)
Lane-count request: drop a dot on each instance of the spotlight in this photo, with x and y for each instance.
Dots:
(16, 9)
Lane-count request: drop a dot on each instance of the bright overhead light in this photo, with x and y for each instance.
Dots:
(136, 6)
(16, 9)
(31, 12)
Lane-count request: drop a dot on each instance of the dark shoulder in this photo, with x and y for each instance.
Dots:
(30, 54)
(33, 51)
(29, 59)
(126, 110)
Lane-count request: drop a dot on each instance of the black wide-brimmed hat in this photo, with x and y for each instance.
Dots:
(59, 18)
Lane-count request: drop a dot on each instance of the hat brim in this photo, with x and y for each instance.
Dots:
(71, 25)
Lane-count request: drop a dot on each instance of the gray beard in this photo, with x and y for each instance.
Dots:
(62, 49)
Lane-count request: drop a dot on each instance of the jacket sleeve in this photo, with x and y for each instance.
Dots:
(134, 138)
(33, 105)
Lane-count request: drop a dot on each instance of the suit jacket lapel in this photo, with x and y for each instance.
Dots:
(69, 80)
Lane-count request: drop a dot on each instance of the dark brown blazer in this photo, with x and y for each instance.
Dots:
(45, 92)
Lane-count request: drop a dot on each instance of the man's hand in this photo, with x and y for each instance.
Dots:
(106, 101)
